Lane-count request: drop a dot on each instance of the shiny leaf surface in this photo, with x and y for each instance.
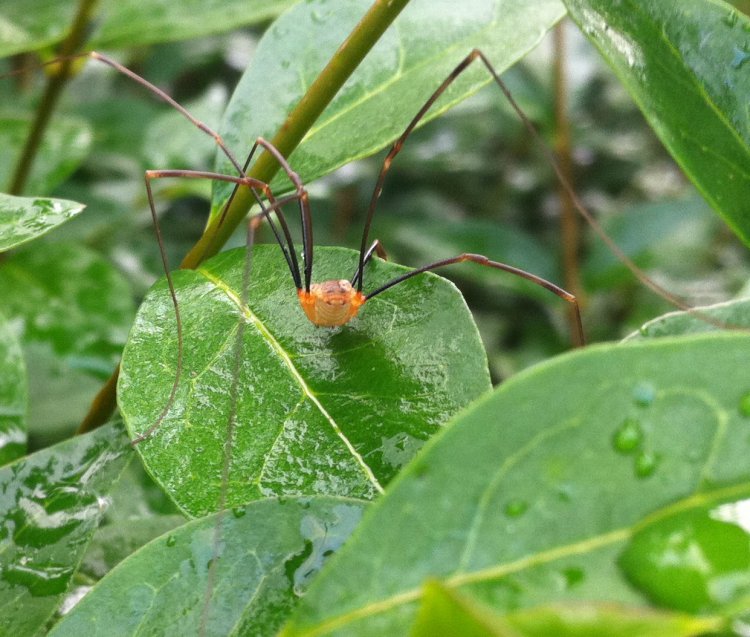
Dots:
(270, 551)
(25, 218)
(33, 24)
(409, 62)
(686, 65)
(320, 411)
(51, 504)
(610, 455)
(13, 395)
(732, 315)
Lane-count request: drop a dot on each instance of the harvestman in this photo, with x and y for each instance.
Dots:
(331, 303)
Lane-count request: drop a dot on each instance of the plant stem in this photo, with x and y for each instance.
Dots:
(351, 52)
(55, 84)
(343, 63)
(569, 228)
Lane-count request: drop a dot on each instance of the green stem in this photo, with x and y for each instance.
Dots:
(69, 47)
(569, 229)
(298, 122)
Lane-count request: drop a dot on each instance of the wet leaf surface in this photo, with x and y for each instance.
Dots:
(320, 411)
(531, 498)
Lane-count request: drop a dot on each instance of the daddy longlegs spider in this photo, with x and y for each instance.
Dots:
(331, 303)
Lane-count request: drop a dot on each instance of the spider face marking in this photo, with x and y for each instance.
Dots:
(331, 303)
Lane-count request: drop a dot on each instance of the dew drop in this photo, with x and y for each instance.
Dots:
(239, 512)
(628, 437)
(744, 406)
(573, 575)
(171, 540)
(516, 508)
(695, 561)
(646, 463)
(644, 394)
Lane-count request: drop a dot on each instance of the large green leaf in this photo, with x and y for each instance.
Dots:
(407, 64)
(529, 497)
(34, 24)
(320, 411)
(134, 23)
(270, 551)
(51, 504)
(13, 395)
(686, 65)
(25, 218)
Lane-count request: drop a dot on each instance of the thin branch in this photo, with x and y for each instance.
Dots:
(55, 85)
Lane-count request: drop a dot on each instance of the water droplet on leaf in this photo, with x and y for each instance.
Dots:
(516, 508)
(644, 394)
(628, 437)
(171, 540)
(744, 406)
(646, 463)
(694, 561)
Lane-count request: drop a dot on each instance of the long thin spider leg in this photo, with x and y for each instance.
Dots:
(482, 260)
(149, 176)
(395, 149)
(590, 219)
(290, 253)
(376, 247)
(474, 55)
(181, 109)
(304, 208)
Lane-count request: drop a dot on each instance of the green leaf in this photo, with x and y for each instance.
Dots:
(530, 496)
(66, 143)
(25, 218)
(447, 612)
(13, 395)
(685, 64)
(34, 24)
(732, 315)
(51, 504)
(407, 64)
(320, 411)
(269, 552)
(133, 23)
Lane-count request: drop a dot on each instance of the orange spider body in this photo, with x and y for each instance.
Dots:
(331, 303)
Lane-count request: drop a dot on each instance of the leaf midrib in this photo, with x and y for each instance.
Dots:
(543, 557)
(284, 356)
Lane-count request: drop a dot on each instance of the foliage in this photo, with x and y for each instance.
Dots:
(601, 491)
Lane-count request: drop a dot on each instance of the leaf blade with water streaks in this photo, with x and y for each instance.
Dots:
(530, 496)
(320, 411)
(270, 551)
(51, 504)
